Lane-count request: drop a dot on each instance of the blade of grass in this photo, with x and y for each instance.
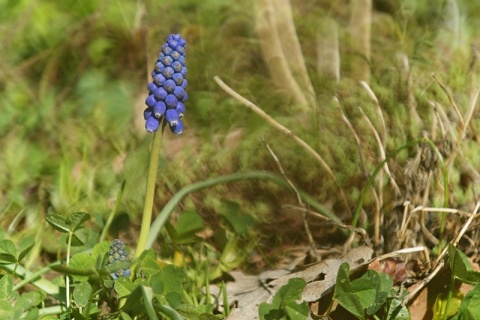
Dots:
(167, 210)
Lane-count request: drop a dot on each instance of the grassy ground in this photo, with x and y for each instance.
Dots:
(73, 83)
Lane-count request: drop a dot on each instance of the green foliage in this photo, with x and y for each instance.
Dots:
(367, 295)
(284, 305)
(452, 302)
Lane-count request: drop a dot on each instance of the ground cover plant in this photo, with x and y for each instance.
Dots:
(320, 160)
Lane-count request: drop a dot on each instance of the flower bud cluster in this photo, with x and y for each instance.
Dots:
(167, 90)
(117, 253)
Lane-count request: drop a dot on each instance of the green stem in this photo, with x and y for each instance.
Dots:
(167, 210)
(112, 213)
(149, 192)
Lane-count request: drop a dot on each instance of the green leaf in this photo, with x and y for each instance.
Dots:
(7, 258)
(382, 284)
(441, 303)
(240, 222)
(188, 224)
(6, 310)
(83, 262)
(58, 222)
(99, 252)
(172, 279)
(470, 306)
(79, 238)
(33, 314)
(25, 248)
(343, 293)
(7, 246)
(82, 293)
(134, 305)
(148, 264)
(8, 252)
(29, 300)
(6, 287)
(459, 263)
(364, 290)
(397, 311)
(284, 303)
(124, 287)
(76, 220)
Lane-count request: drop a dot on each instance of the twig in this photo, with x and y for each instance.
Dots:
(454, 105)
(422, 284)
(471, 109)
(287, 132)
(382, 151)
(401, 252)
(280, 167)
(313, 246)
(363, 234)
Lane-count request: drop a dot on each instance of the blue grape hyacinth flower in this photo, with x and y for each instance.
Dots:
(118, 253)
(167, 93)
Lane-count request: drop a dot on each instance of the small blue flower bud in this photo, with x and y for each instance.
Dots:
(177, 66)
(152, 87)
(182, 60)
(147, 113)
(159, 109)
(171, 101)
(168, 72)
(169, 85)
(172, 43)
(160, 94)
(150, 101)
(180, 109)
(159, 67)
(159, 79)
(177, 128)
(175, 55)
(171, 116)
(167, 60)
(184, 84)
(185, 97)
(184, 72)
(166, 49)
(178, 78)
(152, 124)
(178, 92)
(180, 49)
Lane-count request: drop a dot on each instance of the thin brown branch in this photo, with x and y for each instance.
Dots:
(454, 105)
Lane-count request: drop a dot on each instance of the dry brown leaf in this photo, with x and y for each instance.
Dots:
(320, 279)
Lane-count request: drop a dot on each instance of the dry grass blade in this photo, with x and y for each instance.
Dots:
(287, 132)
(313, 246)
(363, 234)
(450, 98)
